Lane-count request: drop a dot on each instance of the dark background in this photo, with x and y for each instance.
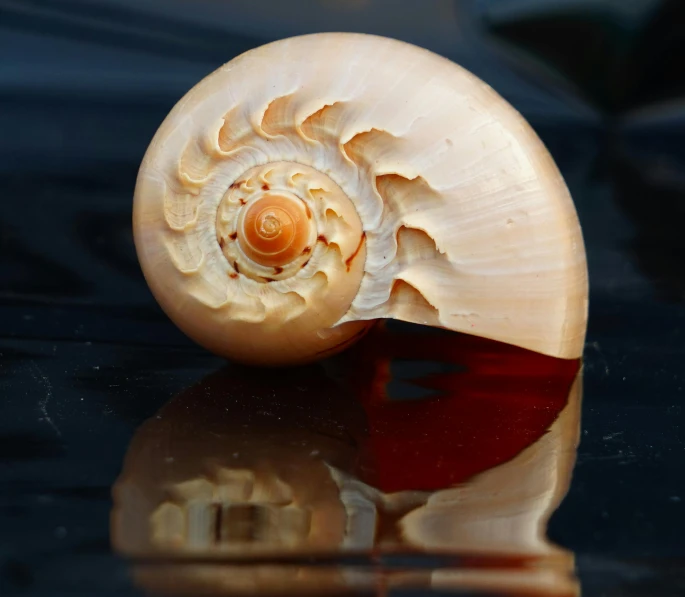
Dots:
(87, 355)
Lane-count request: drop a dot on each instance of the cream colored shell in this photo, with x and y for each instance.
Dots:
(432, 201)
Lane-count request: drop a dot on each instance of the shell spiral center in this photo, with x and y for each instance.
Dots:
(274, 229)
(278, 217)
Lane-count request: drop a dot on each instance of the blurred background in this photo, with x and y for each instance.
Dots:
(84, 84)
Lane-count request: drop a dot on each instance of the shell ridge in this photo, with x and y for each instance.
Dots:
(181, 267)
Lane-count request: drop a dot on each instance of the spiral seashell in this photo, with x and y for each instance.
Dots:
(318, 183)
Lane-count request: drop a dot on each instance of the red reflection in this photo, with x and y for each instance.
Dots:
(503, 401)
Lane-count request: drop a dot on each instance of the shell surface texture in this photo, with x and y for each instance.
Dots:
(318, 183)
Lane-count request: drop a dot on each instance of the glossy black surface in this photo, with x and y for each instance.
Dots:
(87, 356)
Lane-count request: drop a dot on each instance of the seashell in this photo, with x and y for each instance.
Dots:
(318, 183)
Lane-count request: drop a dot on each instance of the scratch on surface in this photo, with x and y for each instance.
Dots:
(622, 457)
(605, 363)
(42, 379)
(611, 436)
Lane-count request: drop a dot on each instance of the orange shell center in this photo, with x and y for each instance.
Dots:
(274, 230)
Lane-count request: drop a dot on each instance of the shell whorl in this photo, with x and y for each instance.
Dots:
(318, 183)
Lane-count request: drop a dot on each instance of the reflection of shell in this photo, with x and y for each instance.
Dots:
(427, 199)
(243, 467)
(505, 510)
(237, 463)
